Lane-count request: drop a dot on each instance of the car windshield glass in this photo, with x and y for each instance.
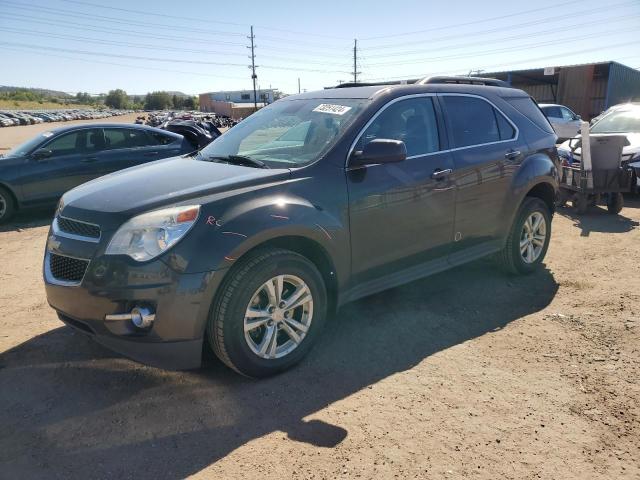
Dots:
(619, 122)
(26, 147)
(288, 133)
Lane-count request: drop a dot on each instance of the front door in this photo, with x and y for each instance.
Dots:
(71, 163)
(401, 214)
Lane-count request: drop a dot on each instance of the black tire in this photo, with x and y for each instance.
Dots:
(225, 328)
(509, 258)
(615, 202)
(7, 205)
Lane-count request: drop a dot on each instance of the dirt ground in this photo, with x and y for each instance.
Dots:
(467, 374)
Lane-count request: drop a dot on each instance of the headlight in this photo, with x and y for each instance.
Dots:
(148, 235)
(59, 207)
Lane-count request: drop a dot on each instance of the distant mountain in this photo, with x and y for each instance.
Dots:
(42, 91)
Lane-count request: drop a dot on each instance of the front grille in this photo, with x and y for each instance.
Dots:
(67, 269)
(78, 228)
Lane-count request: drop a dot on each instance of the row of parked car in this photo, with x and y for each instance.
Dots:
(10, 118)
(161, 117)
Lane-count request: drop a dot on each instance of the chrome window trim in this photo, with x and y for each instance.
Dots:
(73, 236)
(48, 275)
(434, 94)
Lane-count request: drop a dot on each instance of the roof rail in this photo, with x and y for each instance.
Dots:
(491, 82)
(374, 84)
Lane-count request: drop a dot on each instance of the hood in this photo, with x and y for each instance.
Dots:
(111, 199)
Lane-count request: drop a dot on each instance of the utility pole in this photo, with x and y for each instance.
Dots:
(253, 69)
(355, 60)
(298, 84)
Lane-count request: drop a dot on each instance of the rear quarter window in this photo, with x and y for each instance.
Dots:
(530, 109)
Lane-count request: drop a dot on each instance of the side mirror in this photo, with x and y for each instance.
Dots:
(577, 117)
(380, 150)
(41, 154)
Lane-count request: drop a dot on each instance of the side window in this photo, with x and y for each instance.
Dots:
(505, 129)
(115, 138)
(159, 139)
(474, 121)
(137, 138)
(412, 120)
(553, 112)
(67, 144)
(567, 114)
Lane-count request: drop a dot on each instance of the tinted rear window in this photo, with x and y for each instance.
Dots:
(475, 122)
(530, 109)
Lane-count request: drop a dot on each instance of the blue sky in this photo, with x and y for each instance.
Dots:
(95, 46)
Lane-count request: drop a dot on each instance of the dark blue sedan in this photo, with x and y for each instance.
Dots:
(38, 172)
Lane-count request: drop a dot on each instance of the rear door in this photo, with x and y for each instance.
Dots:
(127, 147)
(486, 150)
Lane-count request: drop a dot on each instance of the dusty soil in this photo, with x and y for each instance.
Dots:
(12, 136)
(468, 374)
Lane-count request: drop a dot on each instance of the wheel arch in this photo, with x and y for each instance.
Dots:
(7, 187)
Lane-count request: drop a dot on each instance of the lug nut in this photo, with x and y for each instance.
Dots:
(271, 309)
(282, 305)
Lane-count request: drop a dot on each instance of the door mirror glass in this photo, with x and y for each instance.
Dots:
(41, 154)
(380, 150)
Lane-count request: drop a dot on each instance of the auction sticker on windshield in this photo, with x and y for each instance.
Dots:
(330, 108)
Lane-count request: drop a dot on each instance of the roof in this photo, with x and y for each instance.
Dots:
(77, 126)
(374, 90)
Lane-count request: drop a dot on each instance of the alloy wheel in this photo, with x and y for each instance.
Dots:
(278, 316)
(533, 237)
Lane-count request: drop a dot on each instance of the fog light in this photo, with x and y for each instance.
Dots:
(141, 317)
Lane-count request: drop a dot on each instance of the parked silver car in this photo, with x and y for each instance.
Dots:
(564, 121)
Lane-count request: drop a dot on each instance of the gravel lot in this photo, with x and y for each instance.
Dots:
(468, 374)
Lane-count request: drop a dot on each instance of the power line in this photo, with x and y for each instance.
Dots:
(555, 18)
(148, 46)
(474, 22)
(518, 62)
(166, 60)
(199, 20)
(504, 39)
(500, 50)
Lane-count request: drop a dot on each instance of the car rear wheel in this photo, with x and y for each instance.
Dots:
(268, 314)
(528, 239)
(7, 205)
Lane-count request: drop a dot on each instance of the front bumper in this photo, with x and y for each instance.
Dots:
(114, 285)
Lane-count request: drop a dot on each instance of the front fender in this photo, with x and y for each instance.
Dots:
(224, 235)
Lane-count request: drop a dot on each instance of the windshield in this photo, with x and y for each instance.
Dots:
(28, 146)
(289, 133)
(623, 121)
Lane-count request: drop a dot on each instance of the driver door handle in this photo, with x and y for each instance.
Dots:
(89, 159)
(439, 174)
(150, 154)
(512, 154)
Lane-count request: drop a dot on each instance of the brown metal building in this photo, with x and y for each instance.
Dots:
(586, 89)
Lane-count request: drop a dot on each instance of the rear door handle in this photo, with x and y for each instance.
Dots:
(512, 154)
(150, 154)
(89, 159)
(439, 174)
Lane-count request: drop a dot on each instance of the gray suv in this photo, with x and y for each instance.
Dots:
(316, 200)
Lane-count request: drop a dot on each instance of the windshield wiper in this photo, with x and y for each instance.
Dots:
(237, 160)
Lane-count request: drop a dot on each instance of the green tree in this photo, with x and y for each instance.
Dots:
(190, 103)
(117, 99)
(158, 101)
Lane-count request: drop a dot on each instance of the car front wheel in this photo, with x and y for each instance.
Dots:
(268, 314)
(528, 239)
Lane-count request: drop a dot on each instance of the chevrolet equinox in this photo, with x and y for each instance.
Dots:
(313, 201)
